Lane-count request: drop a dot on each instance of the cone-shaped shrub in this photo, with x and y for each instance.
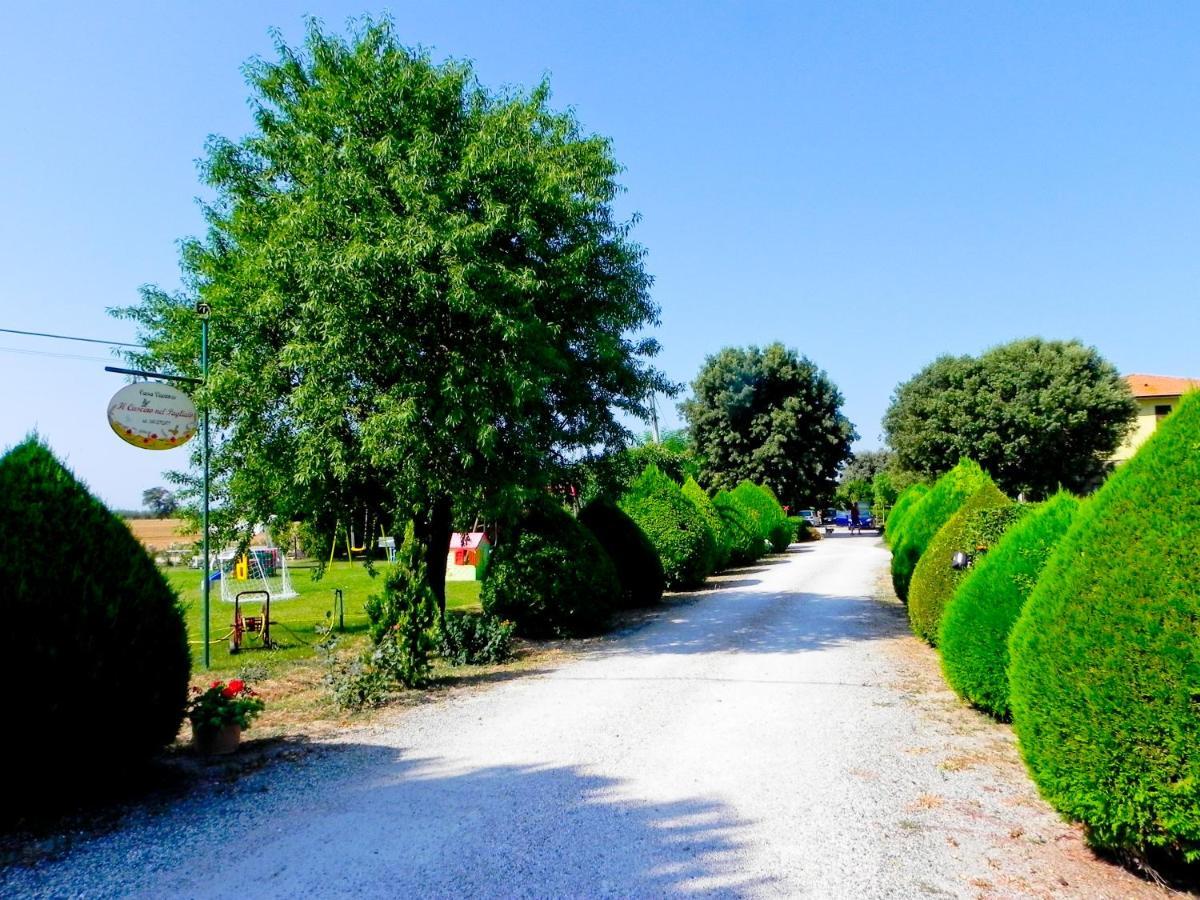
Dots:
(739, 526)
(722, 542)
(905, 503)
(98, 644)
(926, 518)
(550, 577)
(767, 513)
(978, 621)
(1104, 675)
(676, 528)
(638, 567)
(934, 581)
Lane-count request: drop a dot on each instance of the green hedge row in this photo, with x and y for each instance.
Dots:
(1079, 620)
(99, 652)
(558, 576)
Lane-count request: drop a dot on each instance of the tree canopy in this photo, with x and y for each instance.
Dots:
(770, 416)
(419, 291)
(1035, 414)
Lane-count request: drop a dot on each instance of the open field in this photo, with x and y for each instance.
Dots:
(159, 534)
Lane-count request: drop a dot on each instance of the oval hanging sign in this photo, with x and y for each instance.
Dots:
(152, 416)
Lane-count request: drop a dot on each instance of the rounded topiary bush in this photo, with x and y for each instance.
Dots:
(740, 529)
(926, 518)
(1104, 674)
(675, 527)
(977, 623)
(767, 513)
(934, 580)
(905, 503)
(722, 543)
(551, 577)
(638, 567)
(99, 647)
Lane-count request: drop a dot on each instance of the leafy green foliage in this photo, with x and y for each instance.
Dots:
(722, 543)
(766, 512)
(402, 617)
(1036, 414)
(420, 293)
(771, 417)
(903, 507)
(976, 625)
(552, 577)
(100, 646)
(675, 526)
(470, 639)
(1105, 661)
(637, 564)
(928, 516)
(934, 581)
(866, 465)
(740, 529)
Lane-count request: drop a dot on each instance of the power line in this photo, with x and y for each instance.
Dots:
(67, 337)
(56, 355)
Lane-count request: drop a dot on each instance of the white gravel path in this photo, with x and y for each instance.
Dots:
(781, 735)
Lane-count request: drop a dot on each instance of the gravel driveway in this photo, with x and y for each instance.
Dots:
(779, 735)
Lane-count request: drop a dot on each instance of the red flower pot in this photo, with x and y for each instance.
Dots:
(219, 742)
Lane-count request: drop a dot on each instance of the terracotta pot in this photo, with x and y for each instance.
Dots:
(220, 742)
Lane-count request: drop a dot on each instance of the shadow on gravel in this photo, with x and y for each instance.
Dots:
(365, 820)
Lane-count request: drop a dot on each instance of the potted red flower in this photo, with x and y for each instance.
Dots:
(219, 714)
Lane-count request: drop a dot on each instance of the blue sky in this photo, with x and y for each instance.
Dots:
(873, 184)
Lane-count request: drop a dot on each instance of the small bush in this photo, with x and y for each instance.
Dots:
(99, 647)
(760, 502)
(976, 625)
(745, 543)
(934, 580)
(471, 639)
(401, 617)
(722, 544)
(1104, 665)
(926, 518)
(638, 567)
(551, 576)
(677, 529)
(781, 536)
(905, 503)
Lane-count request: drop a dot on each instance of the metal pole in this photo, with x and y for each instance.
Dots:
(654, 418)
(202, 309)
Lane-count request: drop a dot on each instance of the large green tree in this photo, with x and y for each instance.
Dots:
(1035, 414)
(420, 293)
(770, 416)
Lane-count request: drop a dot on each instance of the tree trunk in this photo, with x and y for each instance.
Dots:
(437, 544)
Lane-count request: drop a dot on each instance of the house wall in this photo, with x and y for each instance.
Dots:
(1147, 421)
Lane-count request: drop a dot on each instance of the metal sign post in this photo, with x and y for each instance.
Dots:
(202, 310)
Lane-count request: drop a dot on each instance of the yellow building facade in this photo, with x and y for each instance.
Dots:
(1156, 396)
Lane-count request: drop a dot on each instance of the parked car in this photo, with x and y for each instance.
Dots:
(811, 517)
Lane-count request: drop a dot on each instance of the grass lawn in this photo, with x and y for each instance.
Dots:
(294, 622)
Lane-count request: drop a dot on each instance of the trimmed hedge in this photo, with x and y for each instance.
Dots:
(934, 581)
(677, 529)
(740, 529)
(905, 503)
(99, 647)
(1105, 658)
(638, 567)
(976, 626)
(926, 518)
(767, 513)
(551, 577)
(722, 543)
